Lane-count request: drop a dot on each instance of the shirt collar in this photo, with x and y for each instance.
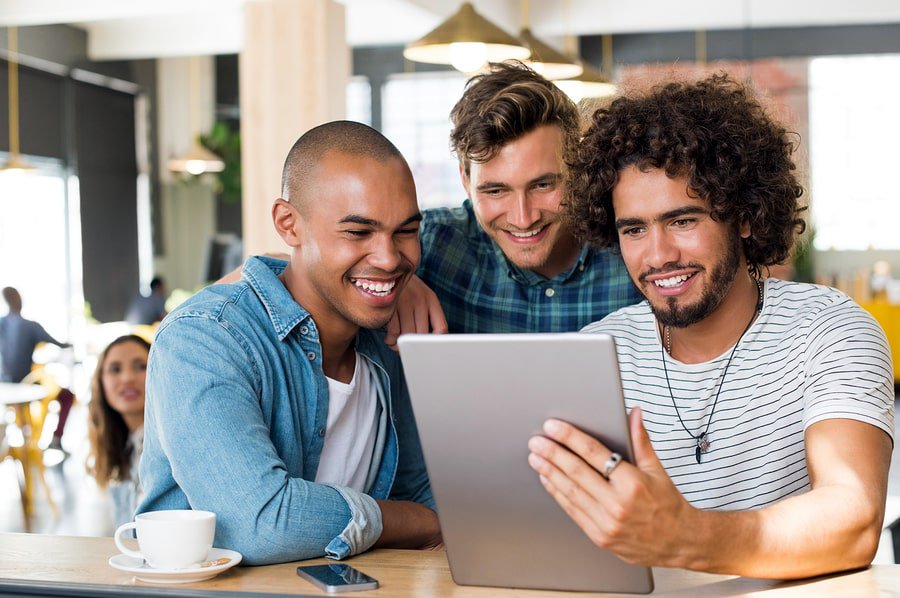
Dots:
(532, 278)
(285, 313)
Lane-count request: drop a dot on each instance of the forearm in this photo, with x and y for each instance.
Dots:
(822, 531)
(407, 525)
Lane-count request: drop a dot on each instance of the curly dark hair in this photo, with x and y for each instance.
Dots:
(503, 104)
(715, 133)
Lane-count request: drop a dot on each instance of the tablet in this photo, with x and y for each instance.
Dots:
(477, 399)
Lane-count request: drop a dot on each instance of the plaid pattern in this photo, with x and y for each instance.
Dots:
(481, 291)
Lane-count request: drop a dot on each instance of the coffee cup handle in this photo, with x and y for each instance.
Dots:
(120, 542)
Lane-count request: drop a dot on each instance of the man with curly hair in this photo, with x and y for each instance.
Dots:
(504, 261)
(761, 410)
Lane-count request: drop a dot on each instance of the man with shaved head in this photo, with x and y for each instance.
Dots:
(274, 401)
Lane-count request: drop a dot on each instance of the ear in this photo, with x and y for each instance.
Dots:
(744, 229)
(287, 222)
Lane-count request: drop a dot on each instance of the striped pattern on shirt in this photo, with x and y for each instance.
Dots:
(481, 291)
(812, 354)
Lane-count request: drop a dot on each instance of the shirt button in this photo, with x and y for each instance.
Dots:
(311, 356)
(304, 330)
(581, 268)
(549, 292)
(321, 432)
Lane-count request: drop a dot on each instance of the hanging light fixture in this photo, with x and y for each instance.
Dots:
(15, 163)
(550, 63)
(591, 83)
(467, 41)
(197, 159)
(544, 59)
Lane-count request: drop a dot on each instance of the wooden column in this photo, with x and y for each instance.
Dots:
(293, 76)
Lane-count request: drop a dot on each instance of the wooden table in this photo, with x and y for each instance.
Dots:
(73, 560)
(20, 397)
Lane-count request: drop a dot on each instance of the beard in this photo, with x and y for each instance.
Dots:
(721, 279)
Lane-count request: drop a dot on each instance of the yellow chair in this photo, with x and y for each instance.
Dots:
(888, 315)
(30, 419)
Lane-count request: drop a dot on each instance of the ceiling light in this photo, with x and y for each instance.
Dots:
(547, 61)
(197, 159)
(592, 83)
(15, 163)
(550, 63)
(589, 84)
(467, 41)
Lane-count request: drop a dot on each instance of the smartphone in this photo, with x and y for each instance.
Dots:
(337, 578)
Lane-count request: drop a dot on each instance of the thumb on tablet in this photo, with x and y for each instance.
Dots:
(644, 456)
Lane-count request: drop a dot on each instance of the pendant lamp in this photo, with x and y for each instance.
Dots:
(547, 61)
(467, 41)
(591, 83)
(197, 159)
(15, 163)
(550, 63)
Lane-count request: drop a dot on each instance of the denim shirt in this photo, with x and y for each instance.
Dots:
(235, 420)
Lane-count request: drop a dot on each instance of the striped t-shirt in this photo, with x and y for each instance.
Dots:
(812, 354)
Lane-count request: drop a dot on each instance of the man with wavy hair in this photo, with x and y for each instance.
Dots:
(761, 410)
(504, 261)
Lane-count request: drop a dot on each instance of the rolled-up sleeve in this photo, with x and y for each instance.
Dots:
(362, 531)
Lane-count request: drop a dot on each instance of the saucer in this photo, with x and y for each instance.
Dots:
(145, 572)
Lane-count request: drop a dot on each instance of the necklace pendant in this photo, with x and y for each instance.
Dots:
(703, 442)
(702, 446)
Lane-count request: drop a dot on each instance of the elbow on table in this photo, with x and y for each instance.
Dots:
(862, 540)
(258, 548)
(254, 553)
(867, 543)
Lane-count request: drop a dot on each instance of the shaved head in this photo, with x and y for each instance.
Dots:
(341, 136)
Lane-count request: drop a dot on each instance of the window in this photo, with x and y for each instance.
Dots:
(34, 245)
(854, 126)
(416, 117)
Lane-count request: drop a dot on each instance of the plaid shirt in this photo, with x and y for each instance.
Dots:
(481, 291)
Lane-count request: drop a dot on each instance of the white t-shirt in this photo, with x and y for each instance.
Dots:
(812, 354)
(351, 429)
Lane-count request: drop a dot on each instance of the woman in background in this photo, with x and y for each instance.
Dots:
(117, 422)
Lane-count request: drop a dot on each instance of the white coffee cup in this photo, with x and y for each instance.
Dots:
(170, 539)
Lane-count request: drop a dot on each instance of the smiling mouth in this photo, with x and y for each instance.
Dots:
(378, 288)
(672, 281)
(527, 234)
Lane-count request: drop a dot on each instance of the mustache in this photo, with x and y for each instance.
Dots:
(669, 268)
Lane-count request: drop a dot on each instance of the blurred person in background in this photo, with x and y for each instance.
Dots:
(18, 338)
(116, 426)
(150, 309)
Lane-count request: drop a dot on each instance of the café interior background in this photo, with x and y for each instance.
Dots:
(109, 92)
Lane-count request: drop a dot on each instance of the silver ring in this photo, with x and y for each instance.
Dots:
(611, 464)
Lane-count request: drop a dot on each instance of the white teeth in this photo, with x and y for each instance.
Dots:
(376, 288)
(671, 282)
(526, 234)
